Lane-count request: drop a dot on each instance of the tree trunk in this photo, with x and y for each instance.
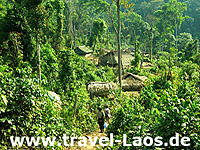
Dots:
(162, 43)
(101, 44)
(163, 39)
(143, 51)
(70, 23)
(107, 39)
(151, 39)
(90, 26)
(16, 52)
(109, 8)
(170, 73)
(176, 44)
(95, 44)
(176, 32)
(135, 45)
(74, 36)
(125, 41)
(38, 55)
(50, 82)
(79, 28)
(119, 43)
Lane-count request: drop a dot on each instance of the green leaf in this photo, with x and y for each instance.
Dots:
(2, 109)
(3, 120)
(14, 127)
(4, 99)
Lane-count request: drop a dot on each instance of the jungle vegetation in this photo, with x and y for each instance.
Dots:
(37, 42)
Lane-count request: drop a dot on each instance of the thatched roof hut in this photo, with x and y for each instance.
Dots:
(128, 49)
(126, 59)
(108, 59)
(111, 59)
(82, 50)
(134, 77)
(101, 88)
(132, 82)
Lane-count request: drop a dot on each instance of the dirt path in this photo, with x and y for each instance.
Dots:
(96, 133)
(88, 147)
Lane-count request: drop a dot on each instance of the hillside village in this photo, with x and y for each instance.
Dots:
(76, 71)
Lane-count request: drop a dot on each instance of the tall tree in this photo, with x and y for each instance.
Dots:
(169, 17)
(180, 8)
(27, 20)
(119, 43)
(127, 5)
(191, 24)
(69, 6)
(55, 24)
(60, 23)
(99, 28)
(81, 14)
(37, 19)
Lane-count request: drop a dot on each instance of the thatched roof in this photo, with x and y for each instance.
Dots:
(131, 82)
(128, 49)
(82, 50)
(126, 59)
(101, 88)
(105, 50)
(108, 59)
(133, 76)
(111, 58)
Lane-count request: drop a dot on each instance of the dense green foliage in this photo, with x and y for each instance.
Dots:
(160, 111)
(73, 23)
(37, 42)
(26, 109)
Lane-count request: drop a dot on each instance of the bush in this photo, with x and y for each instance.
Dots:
(131, 120)
(154, 69)
(26, 109)
(160, 112)
(189, 71)
(134, 70)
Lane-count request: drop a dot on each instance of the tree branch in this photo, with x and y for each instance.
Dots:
(109, 9)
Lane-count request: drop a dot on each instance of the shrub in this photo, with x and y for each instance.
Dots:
(26, 109)
(189, 71)
(160, 112)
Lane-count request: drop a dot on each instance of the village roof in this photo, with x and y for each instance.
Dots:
(82, 50)
(113, 53)
(108, 59)
(126, 58)
(128, 49)
(106, 50)
(135, 77)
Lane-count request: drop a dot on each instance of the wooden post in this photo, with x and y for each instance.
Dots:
(75, 104)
